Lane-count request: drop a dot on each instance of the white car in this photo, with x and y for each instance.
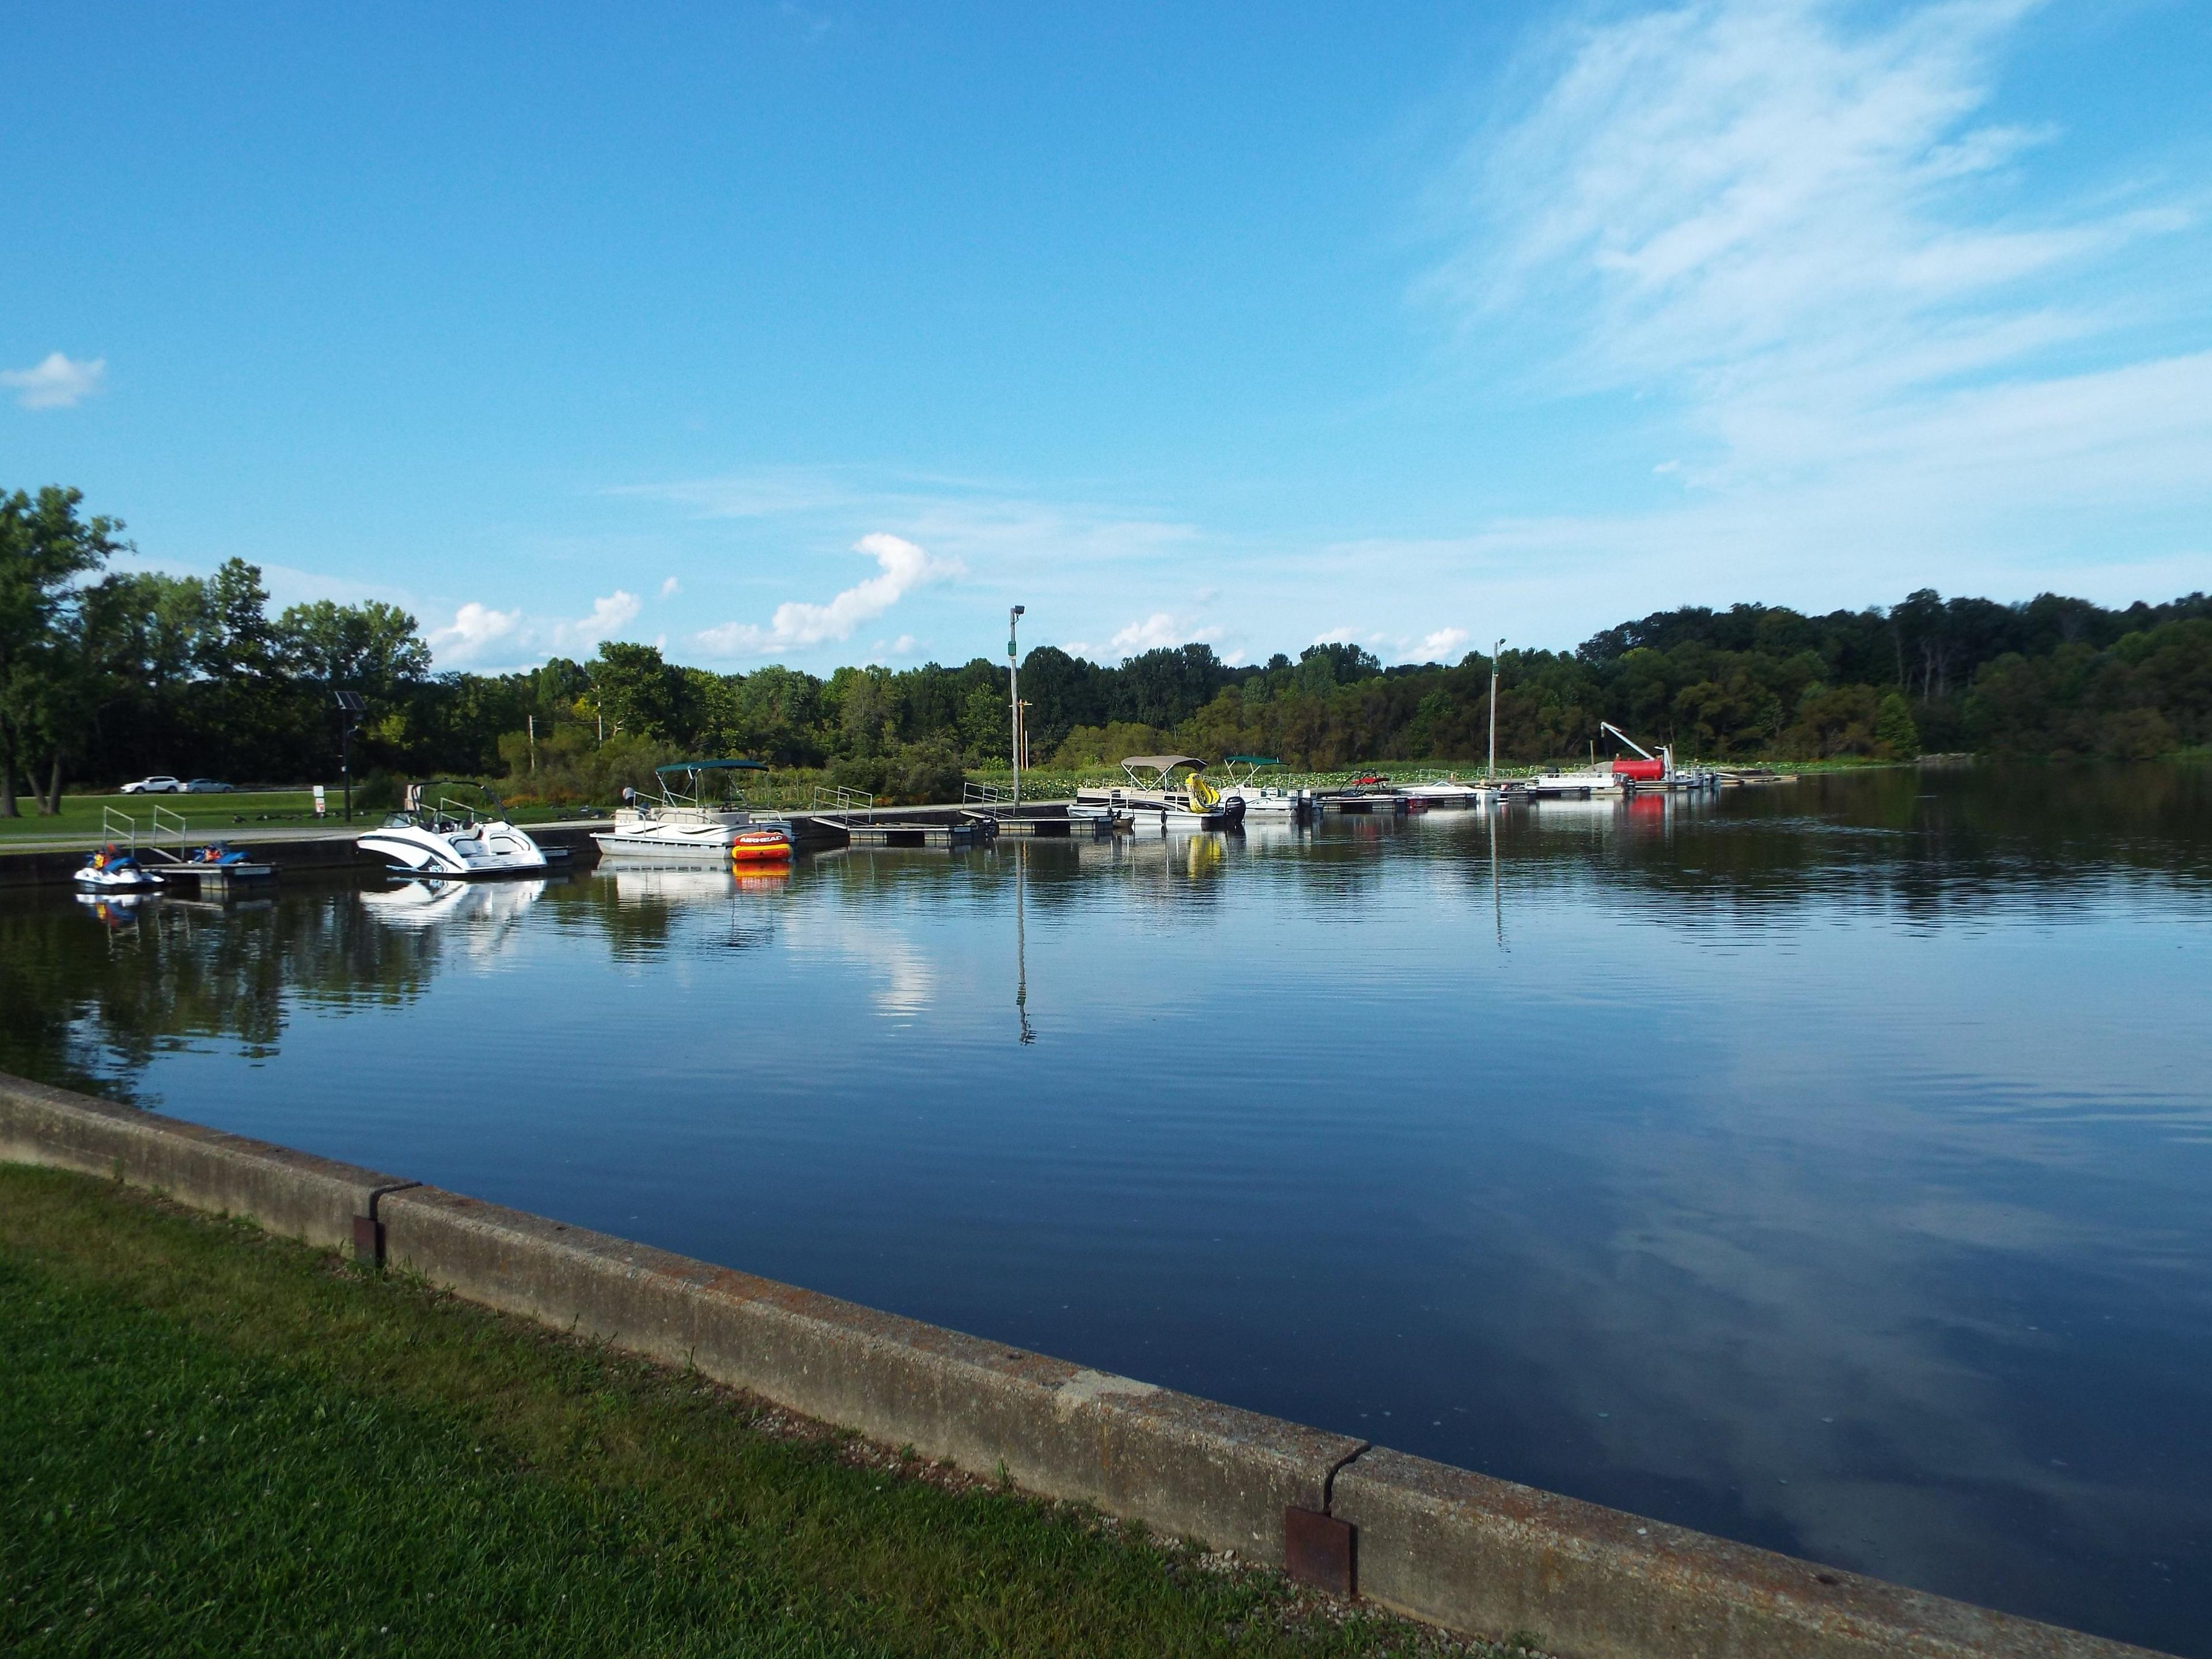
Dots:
(155, 785)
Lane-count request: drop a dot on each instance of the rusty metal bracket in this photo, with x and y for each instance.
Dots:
(368, 1241)
(1321, 1550)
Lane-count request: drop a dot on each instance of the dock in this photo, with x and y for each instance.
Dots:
(875, 833)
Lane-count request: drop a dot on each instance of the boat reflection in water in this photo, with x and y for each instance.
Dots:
(430, 904)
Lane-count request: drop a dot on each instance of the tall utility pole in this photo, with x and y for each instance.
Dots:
(1014, 699)
(1494, 650)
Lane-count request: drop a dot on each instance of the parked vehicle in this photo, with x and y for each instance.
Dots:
(210, 786)
(160, 784)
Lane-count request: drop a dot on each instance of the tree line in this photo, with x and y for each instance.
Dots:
(108, 673)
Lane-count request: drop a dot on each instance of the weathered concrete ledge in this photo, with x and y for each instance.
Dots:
(292, 1193)
(1477, 1555)
(1483, 1555)
(1186, 1465)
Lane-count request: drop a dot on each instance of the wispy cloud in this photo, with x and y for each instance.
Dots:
(58, 382)
(978, 523)
(1792, 225)
(798, 625)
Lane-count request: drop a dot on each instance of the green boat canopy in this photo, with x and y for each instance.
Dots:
(715, 766)
(1251, 760)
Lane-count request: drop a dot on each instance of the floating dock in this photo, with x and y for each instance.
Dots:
(913, 834)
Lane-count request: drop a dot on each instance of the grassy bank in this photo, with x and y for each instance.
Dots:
(213, 1442)
(208, 814)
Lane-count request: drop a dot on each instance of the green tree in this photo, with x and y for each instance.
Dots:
(1895, 736)
(638, 692)
(46, 545)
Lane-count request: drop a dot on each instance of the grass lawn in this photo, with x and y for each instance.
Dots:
(209, 814)
(213, 1442)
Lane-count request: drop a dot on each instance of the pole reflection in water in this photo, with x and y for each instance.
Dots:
(1021, 942)
(1497, 891)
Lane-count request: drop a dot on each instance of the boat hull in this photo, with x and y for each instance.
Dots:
(500, 850)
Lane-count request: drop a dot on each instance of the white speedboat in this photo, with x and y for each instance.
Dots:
(452, 841)
(1261, 800)
(1151, 799)
(686, 828)
(110, 871)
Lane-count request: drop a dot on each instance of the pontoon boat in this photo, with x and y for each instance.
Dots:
(1150, 800)
(685, 827)
(1261, 800)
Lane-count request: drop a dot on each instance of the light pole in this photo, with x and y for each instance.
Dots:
(1014, 699)
(1494, 650)
(350, 706)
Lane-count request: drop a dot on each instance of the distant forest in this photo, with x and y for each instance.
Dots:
(107, 674)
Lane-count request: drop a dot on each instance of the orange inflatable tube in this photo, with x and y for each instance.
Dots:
(761, 847)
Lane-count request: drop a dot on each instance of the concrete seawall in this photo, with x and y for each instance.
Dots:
(1474, 1554)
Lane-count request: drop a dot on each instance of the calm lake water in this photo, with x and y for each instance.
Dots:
(1827, 1166)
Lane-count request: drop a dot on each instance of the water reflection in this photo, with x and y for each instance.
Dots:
(1824, 1166)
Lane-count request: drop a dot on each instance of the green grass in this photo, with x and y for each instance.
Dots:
(211, 815)
(213, 1442)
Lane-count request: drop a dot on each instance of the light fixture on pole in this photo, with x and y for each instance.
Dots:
(1014, 699)
(351, 706)
(1494, 650)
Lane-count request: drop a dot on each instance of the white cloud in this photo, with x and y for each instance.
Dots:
(798, 625)
(610, 616)
(1162, 627)
(475, 628)
(670, 588)
(1790, 227)
(1445, 644)
(58, 382)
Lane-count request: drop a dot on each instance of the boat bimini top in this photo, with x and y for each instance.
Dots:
(1160, 766)
(696, 771)
(1251, 763)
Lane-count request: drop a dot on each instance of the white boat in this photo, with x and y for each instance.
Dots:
(1625, 776)
(685, 828)
(1149, 801)
(452, 841)
(1581, 784)
(110, 871)
(1267, 800)
(1450, 791)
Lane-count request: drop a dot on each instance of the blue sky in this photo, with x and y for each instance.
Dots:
(822, 333)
